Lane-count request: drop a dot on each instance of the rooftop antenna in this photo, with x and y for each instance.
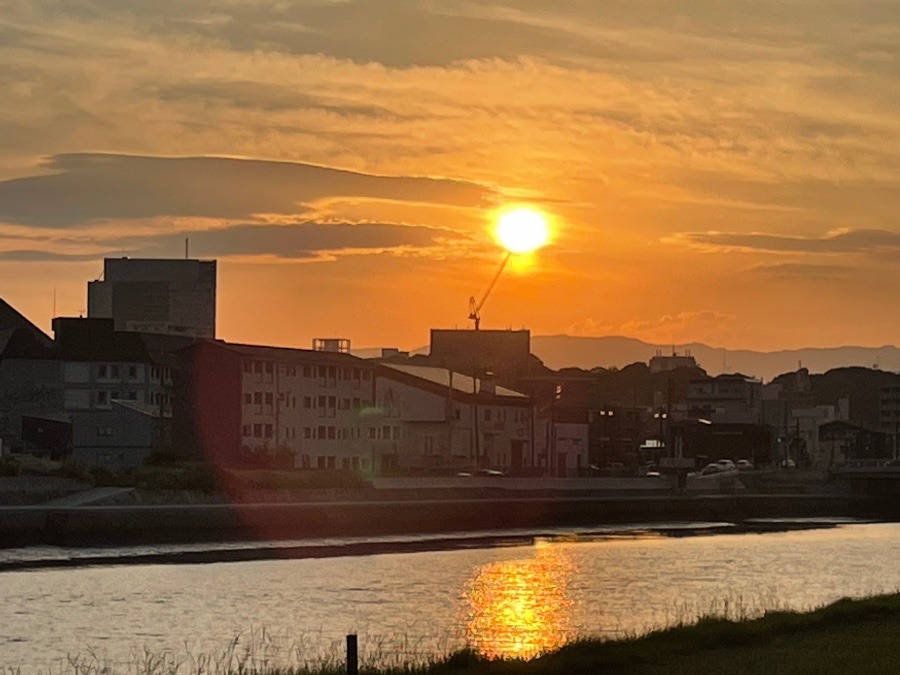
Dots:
(54, 303)
(187, 248)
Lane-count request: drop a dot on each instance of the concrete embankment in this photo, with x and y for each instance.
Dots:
(119, 525)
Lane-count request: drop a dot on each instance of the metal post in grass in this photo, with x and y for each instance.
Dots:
(352, 656)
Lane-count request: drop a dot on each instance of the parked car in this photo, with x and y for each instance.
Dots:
(744, 465)
(711, 469)
(726, 464)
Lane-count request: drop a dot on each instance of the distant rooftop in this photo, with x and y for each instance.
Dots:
(11, 318)
(441, 376)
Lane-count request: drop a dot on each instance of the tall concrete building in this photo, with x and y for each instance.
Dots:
(165, 296)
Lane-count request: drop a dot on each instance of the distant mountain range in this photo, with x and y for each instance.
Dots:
(565, 351)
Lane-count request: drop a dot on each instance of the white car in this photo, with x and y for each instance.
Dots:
(726, 465)
(710, 469)
(744, 465)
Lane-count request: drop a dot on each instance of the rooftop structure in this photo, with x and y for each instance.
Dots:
(663, 363)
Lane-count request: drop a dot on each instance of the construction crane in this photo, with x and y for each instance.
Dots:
(475, 307)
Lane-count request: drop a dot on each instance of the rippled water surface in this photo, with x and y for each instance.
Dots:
(504, 601)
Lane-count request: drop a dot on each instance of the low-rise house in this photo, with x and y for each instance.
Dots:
(433, 419)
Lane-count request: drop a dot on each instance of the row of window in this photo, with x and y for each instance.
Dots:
(115, 371)
(321, 372)
(324, 432)
(330, 462)
(267, 398)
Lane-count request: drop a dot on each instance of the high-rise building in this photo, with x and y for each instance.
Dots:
(165, 296)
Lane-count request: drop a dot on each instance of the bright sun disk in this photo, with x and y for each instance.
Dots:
(522, 230)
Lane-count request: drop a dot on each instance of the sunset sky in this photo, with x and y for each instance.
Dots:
(723, 172)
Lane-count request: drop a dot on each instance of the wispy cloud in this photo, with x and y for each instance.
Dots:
(839, 241)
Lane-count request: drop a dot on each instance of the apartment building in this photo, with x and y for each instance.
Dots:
(76, 379)
(725, 399)
(331, 410)
(237, 401)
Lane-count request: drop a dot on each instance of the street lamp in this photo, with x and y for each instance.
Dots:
(661, 416)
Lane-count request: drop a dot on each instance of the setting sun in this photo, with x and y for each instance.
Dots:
(522, 230)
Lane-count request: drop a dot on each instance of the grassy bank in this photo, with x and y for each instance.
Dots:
(847, 637)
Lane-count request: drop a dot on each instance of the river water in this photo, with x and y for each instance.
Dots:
(514, 600)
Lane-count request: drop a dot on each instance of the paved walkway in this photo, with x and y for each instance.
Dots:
(88, 497)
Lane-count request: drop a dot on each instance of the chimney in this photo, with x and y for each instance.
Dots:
(487, 384)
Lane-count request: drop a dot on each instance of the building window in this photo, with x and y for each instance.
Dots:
(322, 433)
(321, 401)
(102, 397)
(268, 398)
(132, 372)
(396, 433)
(248, 398)
(331, 461)
(101, 371)
(331, 433)
(257, 398)
(345, 463)
(385, 433)
(356, 404)
(268, 431)
(245, 430)
(248, 367)
(332, 401)
(257, 367)
(488, 414)
(307, 432)
(269, 368)
(257, 430)
(307, 371)
(320, 463)
(307, 402)
(114, 371)
(345, 404)
(372, 433)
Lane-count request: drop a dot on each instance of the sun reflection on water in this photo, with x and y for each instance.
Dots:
(520, 608)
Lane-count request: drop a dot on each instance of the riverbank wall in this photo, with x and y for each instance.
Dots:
(124, 525)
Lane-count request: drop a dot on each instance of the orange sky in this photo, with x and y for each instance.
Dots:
(723, 173)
